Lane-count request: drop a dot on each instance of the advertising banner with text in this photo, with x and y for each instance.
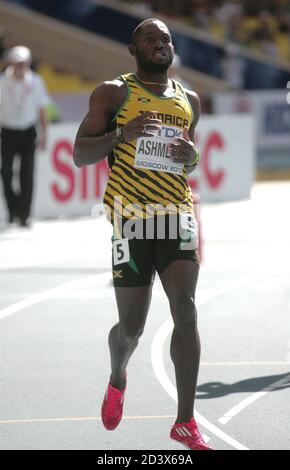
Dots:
(270, 109)
(225, 173)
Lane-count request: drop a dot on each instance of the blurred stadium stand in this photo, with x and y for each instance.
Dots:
(78, 43)
(198, 50)
(51, 41)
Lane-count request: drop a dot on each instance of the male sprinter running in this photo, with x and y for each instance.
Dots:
(131, 119)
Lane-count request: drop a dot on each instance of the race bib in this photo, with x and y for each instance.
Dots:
(189, 236)
(153, 153)
(121, 251)
(188, 222)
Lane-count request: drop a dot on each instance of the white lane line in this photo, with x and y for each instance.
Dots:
(231, 364)
(75, 419)
(100, 279)
(158, 363)
(251, 399)
(161, 374)
(96, 280)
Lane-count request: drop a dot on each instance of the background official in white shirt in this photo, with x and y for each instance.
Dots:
(23, 126)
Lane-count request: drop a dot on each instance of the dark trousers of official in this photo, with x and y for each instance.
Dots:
(19, 143)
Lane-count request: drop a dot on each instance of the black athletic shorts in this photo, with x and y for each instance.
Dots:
(142, 247)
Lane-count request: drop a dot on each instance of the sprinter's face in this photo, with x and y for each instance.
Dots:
(154, 50)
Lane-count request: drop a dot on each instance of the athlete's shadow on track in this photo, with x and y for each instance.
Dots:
(256, 384)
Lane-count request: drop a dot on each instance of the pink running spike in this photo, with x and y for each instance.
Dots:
(112, 407)
(189, 435)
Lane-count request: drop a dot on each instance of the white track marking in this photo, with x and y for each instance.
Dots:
(161, 374)
(72, 419)
(96, 280)
(157, 355)
(231, 364)
(251, 399)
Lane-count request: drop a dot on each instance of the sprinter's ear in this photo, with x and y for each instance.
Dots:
(132, 50)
